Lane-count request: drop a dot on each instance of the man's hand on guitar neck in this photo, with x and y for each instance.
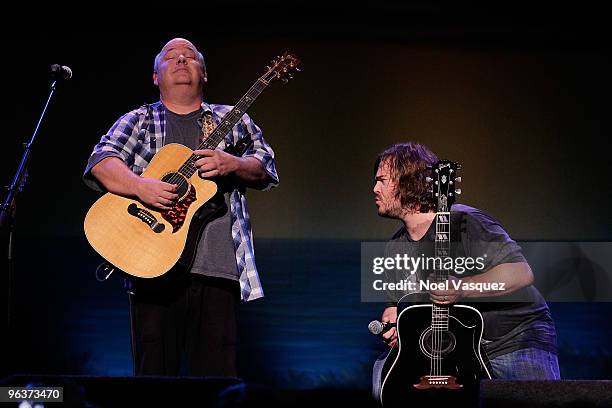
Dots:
(213, 163)
(248, 170)
(390, 316)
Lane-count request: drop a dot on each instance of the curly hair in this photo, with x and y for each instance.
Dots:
(409, 166)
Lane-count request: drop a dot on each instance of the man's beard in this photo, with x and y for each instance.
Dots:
(394, 212)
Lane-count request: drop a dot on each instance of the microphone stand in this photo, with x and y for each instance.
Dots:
(8, 220)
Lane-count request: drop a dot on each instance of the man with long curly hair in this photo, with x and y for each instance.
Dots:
(519, 338)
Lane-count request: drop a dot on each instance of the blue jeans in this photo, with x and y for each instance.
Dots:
(525, 364)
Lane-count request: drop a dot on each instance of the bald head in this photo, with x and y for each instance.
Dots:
(178, 42)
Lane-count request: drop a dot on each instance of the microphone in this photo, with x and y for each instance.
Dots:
(376, 327)
(61, 71)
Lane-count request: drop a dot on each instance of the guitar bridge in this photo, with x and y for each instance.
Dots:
(146, 217)
(438, 381)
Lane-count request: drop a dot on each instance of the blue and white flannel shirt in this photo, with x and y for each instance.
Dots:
(139, 134)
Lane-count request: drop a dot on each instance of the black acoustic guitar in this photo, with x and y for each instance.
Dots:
(439, 358)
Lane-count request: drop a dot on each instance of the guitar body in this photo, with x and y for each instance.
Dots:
(406, 374)
(130, 236)
(146, 243)
(438, 359)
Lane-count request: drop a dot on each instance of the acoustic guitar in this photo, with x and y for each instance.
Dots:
(145, 242)
(438, 360)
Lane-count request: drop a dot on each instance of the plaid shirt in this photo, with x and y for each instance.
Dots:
(139, 134)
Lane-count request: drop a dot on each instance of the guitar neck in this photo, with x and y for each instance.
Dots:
(442, 244)
(229, 121)
(213, 140)
(281, 68)
(442, 251)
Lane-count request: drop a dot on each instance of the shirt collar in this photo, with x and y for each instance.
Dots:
(206, 107)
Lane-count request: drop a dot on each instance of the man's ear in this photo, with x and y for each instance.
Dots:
(155, 78)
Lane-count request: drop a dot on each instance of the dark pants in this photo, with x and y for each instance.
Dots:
(192, 318)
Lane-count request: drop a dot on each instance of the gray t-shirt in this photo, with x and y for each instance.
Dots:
(215, 255)
(511, 322)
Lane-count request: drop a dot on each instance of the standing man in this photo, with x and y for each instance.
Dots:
(519, 338)
(192, 318)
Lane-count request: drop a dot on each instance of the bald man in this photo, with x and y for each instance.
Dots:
(193, 315)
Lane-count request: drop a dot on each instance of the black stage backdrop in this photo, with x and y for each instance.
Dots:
(518, 95)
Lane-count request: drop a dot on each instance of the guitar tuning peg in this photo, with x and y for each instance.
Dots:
(458, 179)
(428, 179)
(458, 191)
(268, 67)
(285, 80)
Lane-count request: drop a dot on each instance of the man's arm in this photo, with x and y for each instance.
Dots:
(248, 170)
(514, 276)
(117, 178)
(117, 143)
(505, 262)
(255, 169)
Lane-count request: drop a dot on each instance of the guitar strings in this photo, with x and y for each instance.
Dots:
(211, 141)
(219, 133)
(440, 314)
(208, 143)
(444, 310)
(434, 342)
(439, 309)
(435, 308)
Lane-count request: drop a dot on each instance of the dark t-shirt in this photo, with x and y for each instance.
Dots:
(215, 254)
(511, 322)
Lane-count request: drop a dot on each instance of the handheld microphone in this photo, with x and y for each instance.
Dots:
(61, 71)
(376, 327)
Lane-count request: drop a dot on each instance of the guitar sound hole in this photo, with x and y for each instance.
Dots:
(443, 343)
(181, 182)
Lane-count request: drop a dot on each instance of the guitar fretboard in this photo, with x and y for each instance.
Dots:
(439, 314)
(226, 125)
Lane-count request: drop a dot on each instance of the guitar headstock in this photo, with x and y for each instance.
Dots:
(444, 179)
(282, 67)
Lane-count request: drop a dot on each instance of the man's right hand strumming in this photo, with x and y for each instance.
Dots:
(156, 193)
(114, 174)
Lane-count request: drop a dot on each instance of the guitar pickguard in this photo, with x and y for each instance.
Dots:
(177, 214)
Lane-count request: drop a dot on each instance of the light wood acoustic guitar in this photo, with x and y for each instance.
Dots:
(145, 242)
